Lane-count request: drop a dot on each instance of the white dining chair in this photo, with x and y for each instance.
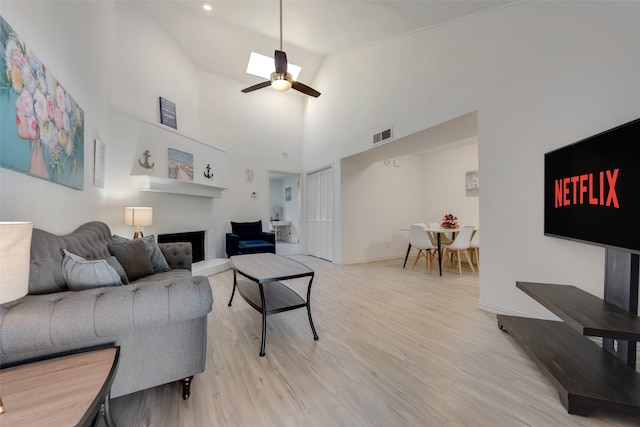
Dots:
(474, 247)
(459, 246)
(419, 239)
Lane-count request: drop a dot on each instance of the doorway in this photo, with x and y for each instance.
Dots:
(320, 213)
(284, 211)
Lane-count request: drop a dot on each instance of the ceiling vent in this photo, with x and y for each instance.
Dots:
(382, 136)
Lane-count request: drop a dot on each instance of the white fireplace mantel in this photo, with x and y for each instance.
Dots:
(175, 186)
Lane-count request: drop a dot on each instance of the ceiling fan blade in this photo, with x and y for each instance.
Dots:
(280, 58)
(256, 87)
(305, 89)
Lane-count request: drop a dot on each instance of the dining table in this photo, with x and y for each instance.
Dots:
(438, 231)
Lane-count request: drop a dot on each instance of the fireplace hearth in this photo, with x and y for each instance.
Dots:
(196, 238)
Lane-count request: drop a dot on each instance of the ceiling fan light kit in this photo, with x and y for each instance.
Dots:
(281, 83)
(281, 80)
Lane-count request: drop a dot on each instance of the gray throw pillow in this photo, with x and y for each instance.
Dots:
(133, 257)
(158, 261)
(81, 274)
(113, 262)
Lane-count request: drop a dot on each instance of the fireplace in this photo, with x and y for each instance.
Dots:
(196, 238)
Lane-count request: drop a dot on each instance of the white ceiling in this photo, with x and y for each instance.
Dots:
(220, 41)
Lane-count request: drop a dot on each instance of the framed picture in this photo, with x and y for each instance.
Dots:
(471, 184)
(42, 129)
(99, 159)
(180, 165)
(287, 194)
(168, 113)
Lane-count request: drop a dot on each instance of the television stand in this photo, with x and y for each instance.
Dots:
(585, 375)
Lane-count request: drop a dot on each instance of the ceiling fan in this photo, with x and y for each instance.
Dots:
(281, 80)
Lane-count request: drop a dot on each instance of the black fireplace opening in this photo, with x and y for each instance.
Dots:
(196, 238)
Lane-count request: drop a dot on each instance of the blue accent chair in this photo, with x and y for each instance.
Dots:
(248, 238)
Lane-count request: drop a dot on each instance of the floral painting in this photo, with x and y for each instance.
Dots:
(42, 132)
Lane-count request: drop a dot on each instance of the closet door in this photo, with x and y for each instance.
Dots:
(320, 213)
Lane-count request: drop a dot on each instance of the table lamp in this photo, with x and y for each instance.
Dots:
(138, 217)
(15, 256)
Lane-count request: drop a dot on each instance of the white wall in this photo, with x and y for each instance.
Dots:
(109, 54)
(276, 197)
(377, 201)
(444, 183)
(75, 42)
(147, 65)
(290, 209)
(540, 75)
(113, 55)
(256, 129)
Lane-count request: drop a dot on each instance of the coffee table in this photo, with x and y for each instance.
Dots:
(63, 391)
(263, 289)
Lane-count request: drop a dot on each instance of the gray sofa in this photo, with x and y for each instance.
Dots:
(159, 321)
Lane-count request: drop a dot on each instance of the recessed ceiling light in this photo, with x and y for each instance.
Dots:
(262, 66)
(207, 7)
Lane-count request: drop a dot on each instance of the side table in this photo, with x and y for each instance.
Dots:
(277, 228)
(62, 391)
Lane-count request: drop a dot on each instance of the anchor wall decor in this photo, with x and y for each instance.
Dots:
(208, 173)
(146, 164)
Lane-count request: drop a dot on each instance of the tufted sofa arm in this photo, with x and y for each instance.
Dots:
(178, 255)
(47, 321)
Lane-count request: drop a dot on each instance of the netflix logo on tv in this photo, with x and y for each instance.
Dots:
(579, 189)
(592, 189)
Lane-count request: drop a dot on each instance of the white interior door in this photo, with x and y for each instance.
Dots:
(320, 213)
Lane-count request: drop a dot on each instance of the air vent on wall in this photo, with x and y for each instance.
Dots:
(382, 136)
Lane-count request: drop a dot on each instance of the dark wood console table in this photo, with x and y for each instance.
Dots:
(263, 288)
(585, 375)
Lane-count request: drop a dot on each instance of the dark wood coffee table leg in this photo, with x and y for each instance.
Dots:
(233, 292)
(263, 305)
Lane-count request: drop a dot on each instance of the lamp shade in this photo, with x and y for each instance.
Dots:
(138, 216)
(15, 256)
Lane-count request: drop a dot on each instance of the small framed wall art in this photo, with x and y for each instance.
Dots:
(471, 183)
(180, 165)
(99, 162)
(168, 113)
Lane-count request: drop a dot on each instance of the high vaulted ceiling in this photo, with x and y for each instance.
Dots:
(221, 40)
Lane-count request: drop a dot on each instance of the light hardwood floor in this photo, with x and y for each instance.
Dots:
(397, 348)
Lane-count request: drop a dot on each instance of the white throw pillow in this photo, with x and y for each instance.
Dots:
(81, 274)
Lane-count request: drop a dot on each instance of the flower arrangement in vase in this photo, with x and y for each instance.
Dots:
(449, 221)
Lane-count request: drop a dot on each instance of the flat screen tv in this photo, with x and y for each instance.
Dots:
(592, 190)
